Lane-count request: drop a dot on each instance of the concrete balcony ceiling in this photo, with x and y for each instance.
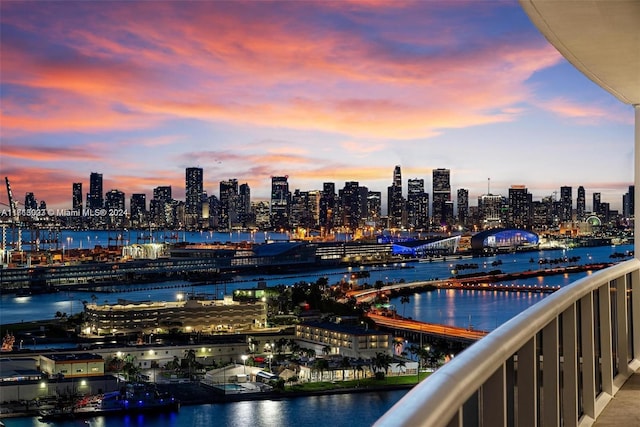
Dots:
(601, 38)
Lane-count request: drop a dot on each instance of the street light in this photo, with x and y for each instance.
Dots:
(244, 362)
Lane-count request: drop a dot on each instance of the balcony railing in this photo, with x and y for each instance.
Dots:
(556, 364)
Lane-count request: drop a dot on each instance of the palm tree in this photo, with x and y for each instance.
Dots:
(191, 360)
(401, 364)
(345, 363)
(320, 365)
(404, 299)
(326, 350)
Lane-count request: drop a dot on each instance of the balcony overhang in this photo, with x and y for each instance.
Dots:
(601, 38)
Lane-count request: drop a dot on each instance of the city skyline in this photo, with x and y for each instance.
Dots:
(318, 91)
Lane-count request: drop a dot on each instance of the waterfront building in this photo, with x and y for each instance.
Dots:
(193, 196)
(437, 246)
(280, 202)
(566, 204)
(343, 339)
(581, 204)
(519, 214)
(503, 240)
(442, 205)
(417, 205)
(72, 365)
(395, 201)
(186, 314)
(95, 199)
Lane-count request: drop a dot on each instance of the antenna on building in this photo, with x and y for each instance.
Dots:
(488, 185)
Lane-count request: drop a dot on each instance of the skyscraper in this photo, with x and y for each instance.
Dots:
(327, 206)
(520, 214)
(441, 195)
(280, 199)
(581, 207)
(351, 205)
(76, 197)
(228, 213)
(138, 208)
(193, 196)
(463, 206)
(30, 201)
(395, 201)
(596, 203)
(244, 204)
(628, 203)
(417, 205)
(95, 198)
(566, 204)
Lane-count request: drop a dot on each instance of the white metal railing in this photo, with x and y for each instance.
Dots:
(557, 363)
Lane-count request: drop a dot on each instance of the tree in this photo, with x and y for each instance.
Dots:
(191, 360)
(402, 366)
(326, 350)
(404, 299)
(345, 363)
(320, 365)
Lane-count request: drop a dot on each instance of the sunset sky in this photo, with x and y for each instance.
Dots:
(328, 91)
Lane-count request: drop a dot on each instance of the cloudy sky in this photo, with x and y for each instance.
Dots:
(327, 91)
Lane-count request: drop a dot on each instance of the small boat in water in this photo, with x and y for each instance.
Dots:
(132, 399)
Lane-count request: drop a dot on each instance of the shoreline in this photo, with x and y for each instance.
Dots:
(193, 394)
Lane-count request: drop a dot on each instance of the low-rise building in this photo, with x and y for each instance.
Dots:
(344, 340)
(190, 315)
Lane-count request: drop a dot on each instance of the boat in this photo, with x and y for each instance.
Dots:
(134, 398)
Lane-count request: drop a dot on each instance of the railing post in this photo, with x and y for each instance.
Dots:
(588, 356)
(526, 410)
(606, 328)
(569, 367)
(634, 312)
(494, 399)
(622, 331)
(550, 375)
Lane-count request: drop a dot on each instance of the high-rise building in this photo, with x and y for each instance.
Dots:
(76, 196)
(566, 204)
(581, 202)
(228, 215)
(628, 203)
(520, 200)
(95, 198)
(327, 206)
(490, 210)
(463, 206)
(395, 201)
(161, 206)
(280, 200)
(244, 204)
(350, 202)
(596, 203)
(417, 205)
(442, 210)
(114, 203)
(30, 201)
(193, 196)
(374, 208)
(138, 208)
